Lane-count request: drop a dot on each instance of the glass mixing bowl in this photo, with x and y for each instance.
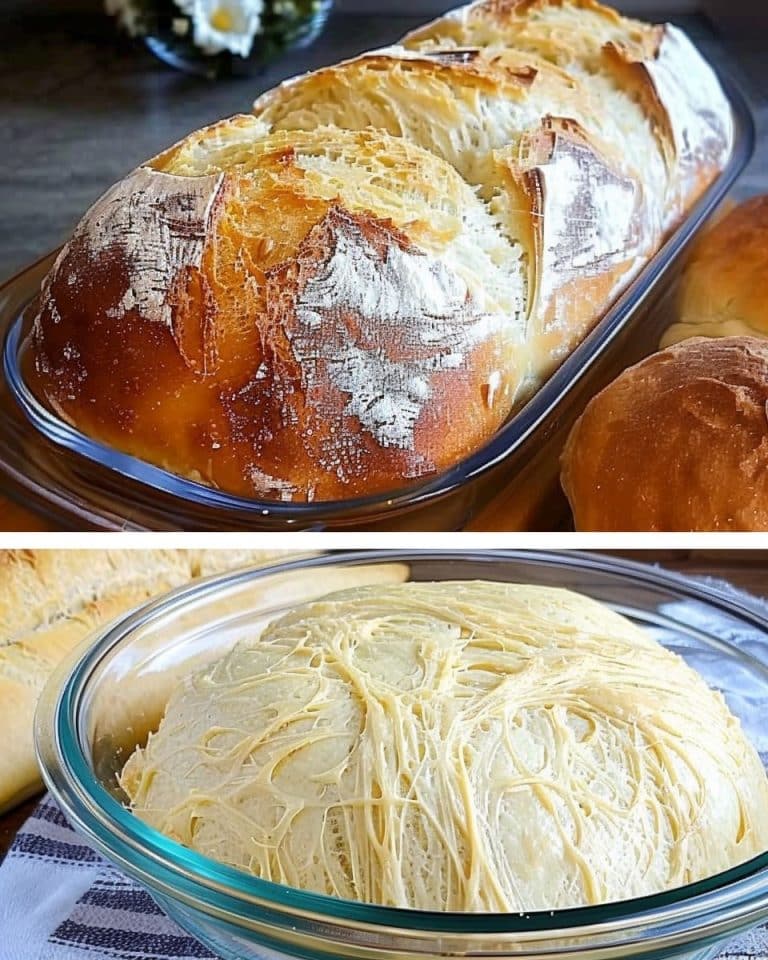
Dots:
(113, 691)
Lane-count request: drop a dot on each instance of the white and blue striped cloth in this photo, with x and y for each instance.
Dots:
(59, 900)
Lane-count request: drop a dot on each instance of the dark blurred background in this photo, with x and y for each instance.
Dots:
(81, 104)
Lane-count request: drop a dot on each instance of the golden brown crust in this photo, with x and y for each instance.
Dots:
(353, 290)
(677, 442)
(721, 291)
(561, 30)
(259, 368)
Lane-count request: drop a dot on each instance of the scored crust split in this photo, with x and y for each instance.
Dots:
(353, 288)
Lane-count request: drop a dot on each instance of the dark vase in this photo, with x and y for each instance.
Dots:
(279, 33)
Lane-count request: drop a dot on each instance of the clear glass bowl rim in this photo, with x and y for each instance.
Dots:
(508, 439)
(185, 875)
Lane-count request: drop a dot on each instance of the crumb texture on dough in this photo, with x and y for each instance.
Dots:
(467, 746)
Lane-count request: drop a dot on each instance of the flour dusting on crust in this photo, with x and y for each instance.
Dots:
(377, 319)
(155, 225)
(266, 485)
(590, 217)
(699, 114)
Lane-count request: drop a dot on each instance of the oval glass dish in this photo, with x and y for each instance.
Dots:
(104, 701)
(54, 469)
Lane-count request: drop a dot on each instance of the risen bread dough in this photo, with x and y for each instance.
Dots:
(466, 746)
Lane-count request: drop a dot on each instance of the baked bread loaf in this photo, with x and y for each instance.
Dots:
(49, 601)
(677, 442)
(353, 288)
(517, 748)
(251, 375)
(721, 290)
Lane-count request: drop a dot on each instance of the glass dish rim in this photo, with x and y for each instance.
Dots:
(507, 440)
(106, 820)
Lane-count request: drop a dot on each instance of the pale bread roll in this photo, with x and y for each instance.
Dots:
(461, 746)
(49, 601)
(721, 291)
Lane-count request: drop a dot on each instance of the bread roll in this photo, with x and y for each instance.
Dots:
(49, 601)
(352, 290)
(677, 442)
(722, 288)
(515, 748)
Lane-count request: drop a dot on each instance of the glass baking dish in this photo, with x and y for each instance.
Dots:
(103, 702)
(511, 483)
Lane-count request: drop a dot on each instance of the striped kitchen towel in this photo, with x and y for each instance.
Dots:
(59, 900)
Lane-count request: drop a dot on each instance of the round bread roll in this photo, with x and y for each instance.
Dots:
(289, 316)
(721, 292)
(462, 746)
(677, 442)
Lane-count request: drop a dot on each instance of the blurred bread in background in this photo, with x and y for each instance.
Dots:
(50, 600)
(722, 289)
(677, 442)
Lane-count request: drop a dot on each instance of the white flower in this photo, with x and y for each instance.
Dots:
(127, 14)
(224, 24)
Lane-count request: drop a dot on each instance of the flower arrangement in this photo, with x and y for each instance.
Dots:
(209, 36)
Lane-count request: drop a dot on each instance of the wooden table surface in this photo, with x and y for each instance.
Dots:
(80, 106)
(747, 569)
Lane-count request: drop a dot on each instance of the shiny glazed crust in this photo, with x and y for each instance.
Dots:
(677, 442)
(354, 288)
